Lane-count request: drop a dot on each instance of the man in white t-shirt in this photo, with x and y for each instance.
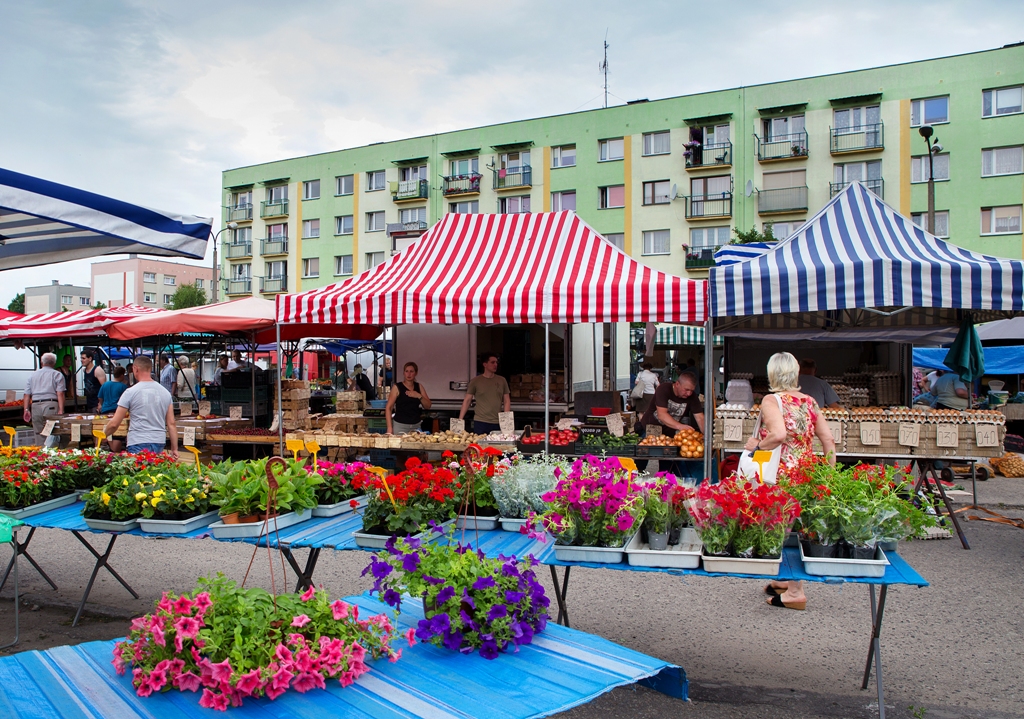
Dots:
(152, 413)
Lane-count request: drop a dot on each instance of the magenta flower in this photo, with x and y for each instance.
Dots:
(187, 627)
(202, 601)
(300, 621)
(210, 700)
(158, 636)
(410, 635)
(309, 594)
(187, 682)
(183, 605)
(221, 671)
(308, 680)
(339, 609)
(249, 683)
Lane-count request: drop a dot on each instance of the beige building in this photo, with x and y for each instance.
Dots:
(56, 297)
(144, 281)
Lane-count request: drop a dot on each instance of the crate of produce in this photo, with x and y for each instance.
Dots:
(353, 396)
(736, 440)
(657, 451)
(624, 446)
(964, 443)
(882, 439)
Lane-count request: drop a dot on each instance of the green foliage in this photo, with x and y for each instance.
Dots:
(746, 238)
(18, 303)
(517, 490)
(99, 306)
(242, 487)
(188, 296)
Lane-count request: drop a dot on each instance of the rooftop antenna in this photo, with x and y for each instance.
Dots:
(603, 67)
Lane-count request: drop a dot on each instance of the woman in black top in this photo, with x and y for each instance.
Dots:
(408, 399)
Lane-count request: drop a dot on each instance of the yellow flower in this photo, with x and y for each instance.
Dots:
(202, 495)
(155, 501)
(105, 497)
(125, 482)
(140, 496)
(158, 493)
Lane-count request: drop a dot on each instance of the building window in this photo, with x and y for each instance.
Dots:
(617, 238)
(66, 299)
(375, 221)
(375, 180)
(781, 230)
(342, 265)
(242, 235)
(277, 194)
(612, 196)
(83, 301)
(170, 280)
(278, 231)
(565, 200)
(514, 160)
(703, 188)
(708, 238)
(344, 184)
(413, 173)
(311, 267)
(310, 229)
(465, 166)
(412, 214)
(854, 119)
(929, 111)
(1005, 101)
(847, 172)
(657, 242)
(373, 259)
(611, 149)
(941, 222)
(149, 297)
(657, 193)
(277, 270)
(199, 283)
(919, 167)
(513, 205)
(151, 276)
(464, 208)
(241, 200)
(343, 225)
(311, 190)
(657, 143)
(238, 272)
(999, 220)
(563, 156)
(168, 299)
(779, 129)
(1002, 161)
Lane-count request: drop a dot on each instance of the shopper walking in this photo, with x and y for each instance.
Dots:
(152, 413)
(44, 394)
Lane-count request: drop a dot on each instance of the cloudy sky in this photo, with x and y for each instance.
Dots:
(149, 101)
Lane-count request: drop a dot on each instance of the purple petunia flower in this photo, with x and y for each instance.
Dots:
(445, 594)
(392, 598)
(489, 649)
(483, 583)
(411, 561)
(432, 580)
(497, 612)
(514, 597)
(380, 569)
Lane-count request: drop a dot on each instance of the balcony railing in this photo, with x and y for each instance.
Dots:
(404, 228)
(238, 250)
(513, 177)
(783, 199)
(717, 155)
(857, 139)
(410, 190)
(717, 205)
(273, 284)
(461, 184)
(239, 213)
(274, 209)
(782, 147)
(274, 246)
(698, 257)
(875, 186)
(242, 286)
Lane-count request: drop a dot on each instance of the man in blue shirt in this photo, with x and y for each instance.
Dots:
(168, 380)
(110, 392)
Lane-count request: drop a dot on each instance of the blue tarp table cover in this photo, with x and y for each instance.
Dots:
(561, 669)
(998, 360)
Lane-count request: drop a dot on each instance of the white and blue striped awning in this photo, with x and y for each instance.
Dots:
(858, 253)
(731, 254)
(681, 335)
(42, 222)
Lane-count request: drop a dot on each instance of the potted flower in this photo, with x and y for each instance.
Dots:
(406, 503)
(343, 484)
(471, 602)
(113, 506)
(517, 491)
(233, 643)
(658, 514)
(243, 487)
(478, 508)
(176, 501)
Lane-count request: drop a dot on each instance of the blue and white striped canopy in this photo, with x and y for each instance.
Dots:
(858, 253)
(42, 222)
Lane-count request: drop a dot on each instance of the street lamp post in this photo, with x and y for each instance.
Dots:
(926, 132)
(216, 239)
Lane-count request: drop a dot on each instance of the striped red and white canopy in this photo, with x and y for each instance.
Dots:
(504, 269)
(77, 323)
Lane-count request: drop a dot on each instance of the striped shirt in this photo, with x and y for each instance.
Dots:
(45, 384)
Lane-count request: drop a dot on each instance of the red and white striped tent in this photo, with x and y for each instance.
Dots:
(503, 269)
(76, 323)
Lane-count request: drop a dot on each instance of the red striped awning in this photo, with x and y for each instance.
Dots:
(503, 269)
(77, 323)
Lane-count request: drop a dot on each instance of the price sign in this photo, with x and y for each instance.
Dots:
(910, 435)
(565, 423)
(11, 396)
(947, 435)
(507, 422)
(870, 434)
(653, 430)
(986, 435)
(457, 425)
(236, 412)
(189, 436)
(186, 409)
(76, 433)
(615, 424)
(48, 427)
(836, 428)
(205, 408)
(733, 431)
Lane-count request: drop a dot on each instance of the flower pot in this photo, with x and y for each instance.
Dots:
(813, 549)
(861, 552)
(230, 518)
(657, 541)
(673, 535)
(249, 518)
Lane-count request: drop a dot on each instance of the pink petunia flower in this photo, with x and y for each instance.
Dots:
(158, 636)
(249, 683)
(308, 594)
(183, 605)
(300, 621)
(221, 670)
(339, 609)
(213, 701)
(308, 680)
(411, 636)
(187, 682)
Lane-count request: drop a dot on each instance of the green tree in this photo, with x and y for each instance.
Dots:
(745, 238)
(188, 296)
(99, 306)
(18, 303)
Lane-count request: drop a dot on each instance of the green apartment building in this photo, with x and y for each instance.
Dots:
(665, 180)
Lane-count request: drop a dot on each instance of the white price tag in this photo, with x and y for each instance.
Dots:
(653, 430)
(48, 427)
(947, 435)
(507, 422)
(236, 412)
(186, 409)
(615, 424)
(733, 431)
(205, 408)
(457, 425)
(986, 435)
(910, 435)
(564, 423)
(836, 428)
(870, 433)
(76, 433)
(189, 436)
(12, 396)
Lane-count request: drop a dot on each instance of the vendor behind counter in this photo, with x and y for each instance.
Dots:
(675, 405)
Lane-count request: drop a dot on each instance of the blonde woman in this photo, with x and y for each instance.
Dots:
(791, 420)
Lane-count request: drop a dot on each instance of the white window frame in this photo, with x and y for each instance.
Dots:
(605, 149)
(412, 214)
(941, 222)
(281, 267)
(375, 221)
(376, 180)
(993, 231)
(558, 199)
(149, 277)
(339, 225)
(198, 283)
(343, 183)
(311, 190)
(339, 265)
(67, 299)
(308, 269)
(242, 235)
(651, 139)
(274, 197)
(168, 299)
(617, 238)
(790, 226)
(655, 198)
(149, 297)
(603, 203)
(472, 166)
(277, 232)
(311, 228)
(721, 233)
(995, 164)
(240, 272)
(919, 168)
(650, 236)
(170, 280)
(472, 207)
(917, 111)
(373, 259)
(558, 156)
(504, 203)
(241, 200)
(412, 173)
(993, 102)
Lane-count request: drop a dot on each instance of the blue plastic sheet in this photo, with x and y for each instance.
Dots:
(998, 360)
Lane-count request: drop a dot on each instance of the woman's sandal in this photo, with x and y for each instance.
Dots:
(778, 601)
(772, 590)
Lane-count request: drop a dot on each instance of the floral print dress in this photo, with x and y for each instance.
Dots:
(800, 414)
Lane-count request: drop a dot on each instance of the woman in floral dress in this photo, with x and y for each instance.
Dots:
(792, 426)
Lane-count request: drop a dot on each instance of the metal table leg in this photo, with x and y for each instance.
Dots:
(923, 483)
(17, 599)
(875, 650)
(560, 593)
(304, 576)
(22, 550)
(101, 561)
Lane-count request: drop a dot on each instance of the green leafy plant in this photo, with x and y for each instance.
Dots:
(752, 235)
(242, 487)
(517, 491)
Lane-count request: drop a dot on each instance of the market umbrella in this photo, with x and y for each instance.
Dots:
(966, 357)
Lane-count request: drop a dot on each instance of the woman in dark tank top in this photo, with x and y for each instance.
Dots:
(407, 400)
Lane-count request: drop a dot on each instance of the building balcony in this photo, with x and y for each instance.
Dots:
(865, 138)
(274, 246)
(782, 147)
(410, 190)
(700, 156)
(706, 207)
(269, 285)
(875, 186)
(700, 258)
(274, 209)
(783, 199)
(454, 185)
(238, 250)
(403, 229)
(513, 177)
(239, 213)
(241, 286)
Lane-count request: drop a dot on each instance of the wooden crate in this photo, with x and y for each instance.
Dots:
(290, 384)
(347, 406)
(889, 441)
(287, 394)
(354, 396)
(718, 435)
(967, 445)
